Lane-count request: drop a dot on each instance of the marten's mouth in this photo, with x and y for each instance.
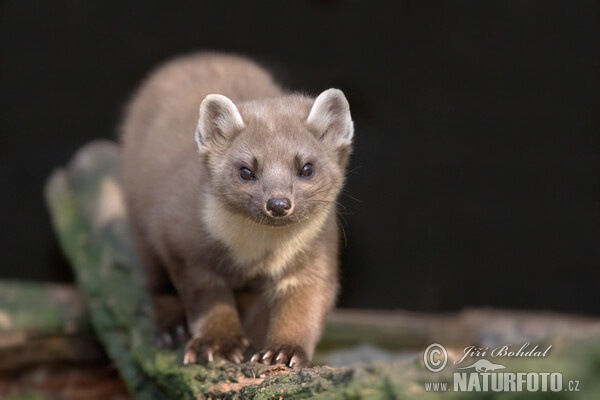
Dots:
(268, 220)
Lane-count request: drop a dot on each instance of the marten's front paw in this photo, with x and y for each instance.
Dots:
(205, 349)
(292, 356)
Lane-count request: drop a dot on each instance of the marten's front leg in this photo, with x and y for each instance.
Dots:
(212, 316)
(298, 305)
(215, 327)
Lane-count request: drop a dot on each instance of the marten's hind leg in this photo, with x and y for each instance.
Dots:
(170, 327)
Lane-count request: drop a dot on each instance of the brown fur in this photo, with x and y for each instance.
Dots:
(195, 222)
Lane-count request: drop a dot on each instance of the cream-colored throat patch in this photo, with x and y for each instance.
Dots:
(269, 249)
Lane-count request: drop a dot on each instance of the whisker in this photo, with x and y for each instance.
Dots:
(341, 227)
(326, 202)
(316, 192)
(353, 170)
(344, 193)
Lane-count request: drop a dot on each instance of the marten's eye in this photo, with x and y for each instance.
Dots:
(246, 174)
(307, 171)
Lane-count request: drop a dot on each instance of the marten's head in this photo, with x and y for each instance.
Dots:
(276, 161)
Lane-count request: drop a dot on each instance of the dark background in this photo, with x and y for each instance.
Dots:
(476, 165)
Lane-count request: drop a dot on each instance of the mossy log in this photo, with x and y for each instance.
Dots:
(50, 325)
(89, 217)
(44, 323)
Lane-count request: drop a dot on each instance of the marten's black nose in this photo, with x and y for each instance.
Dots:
(279, 206)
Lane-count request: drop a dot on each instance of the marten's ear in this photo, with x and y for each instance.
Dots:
(330, 118)
(218, 123)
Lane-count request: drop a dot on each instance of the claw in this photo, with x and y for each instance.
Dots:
(255, 358)
(282, 358)
(180, 331)
(209, 355)
(189, 357)
(293, 360)
(167, 339)
(267, 357)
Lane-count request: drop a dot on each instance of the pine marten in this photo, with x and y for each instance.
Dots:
(231, 186)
